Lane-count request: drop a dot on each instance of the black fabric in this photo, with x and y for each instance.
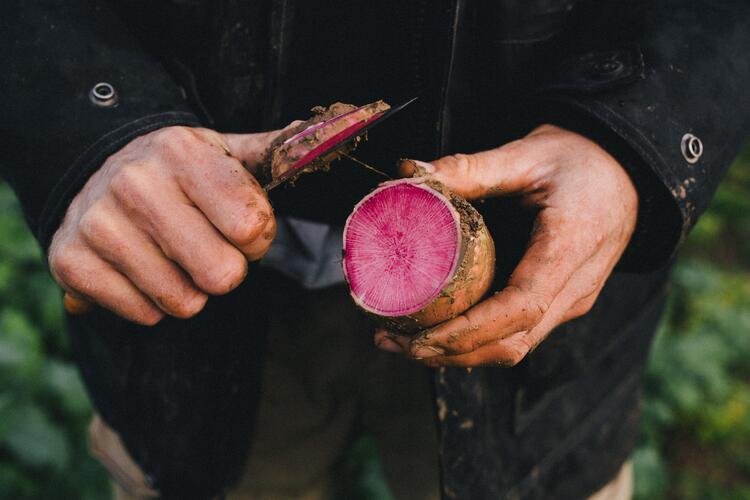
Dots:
(653, 71)
(635, 76)
(182, 394)
(52, 136)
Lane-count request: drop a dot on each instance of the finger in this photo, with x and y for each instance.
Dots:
(507, 352)
(183, 233)
(515, 167)
(134, 254)
(251, 149)
(587, 284)
(85, 276)
(258, 247)
(548, 264)
(186, 237)
(230, 198)
(210, 177)
(511, 350)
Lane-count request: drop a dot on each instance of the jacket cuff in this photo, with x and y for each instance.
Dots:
(84, 166)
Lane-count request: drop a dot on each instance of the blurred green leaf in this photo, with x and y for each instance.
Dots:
(20, 346)
(34, 439)
(65, 383)
(651, 473)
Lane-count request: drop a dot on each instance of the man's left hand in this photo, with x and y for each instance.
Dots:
(587, 213)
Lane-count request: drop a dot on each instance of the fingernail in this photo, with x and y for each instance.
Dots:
(389, 345)
(428, 168)
(428, 351)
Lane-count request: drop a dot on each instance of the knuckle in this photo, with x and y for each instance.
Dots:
(171, 138)
(130, 183)
(536, 308)
(177, 142)
(95, 224)
(464, 164)
(64, 264)
(469, 342)
(466, 339)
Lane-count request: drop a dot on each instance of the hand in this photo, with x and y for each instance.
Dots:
(588, 208)
(171, 217)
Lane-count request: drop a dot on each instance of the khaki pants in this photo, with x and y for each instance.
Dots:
(323, 385)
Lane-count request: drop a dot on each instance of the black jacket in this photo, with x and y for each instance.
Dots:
(636, 76)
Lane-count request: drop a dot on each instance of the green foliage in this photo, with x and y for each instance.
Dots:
(695, 439)
(44, 409)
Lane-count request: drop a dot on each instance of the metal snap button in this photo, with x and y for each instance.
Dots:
(103, 95)
(691, 147)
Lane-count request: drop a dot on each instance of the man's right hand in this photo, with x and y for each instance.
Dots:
(170, 218)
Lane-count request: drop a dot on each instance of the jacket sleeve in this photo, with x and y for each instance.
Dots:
(663, 86)
(54, 132)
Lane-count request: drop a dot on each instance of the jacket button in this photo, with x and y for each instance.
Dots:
(691, 147)
(103, 95)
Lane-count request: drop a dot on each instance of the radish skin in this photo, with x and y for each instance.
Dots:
(314, 144)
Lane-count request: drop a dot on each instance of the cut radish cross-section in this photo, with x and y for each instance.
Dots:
(402, 245)
(404, 248)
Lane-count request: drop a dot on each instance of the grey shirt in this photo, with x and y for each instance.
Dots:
(308, 252)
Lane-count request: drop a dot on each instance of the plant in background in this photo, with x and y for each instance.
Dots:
(44, 409)
(695, 439)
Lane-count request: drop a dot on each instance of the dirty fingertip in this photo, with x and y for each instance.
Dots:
(415, 168)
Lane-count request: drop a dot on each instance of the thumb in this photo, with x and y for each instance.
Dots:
(486, 174)
(252, 149)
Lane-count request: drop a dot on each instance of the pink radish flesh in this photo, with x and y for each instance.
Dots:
(401, 248)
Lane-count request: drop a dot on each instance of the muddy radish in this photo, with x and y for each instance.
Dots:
(416, 255)
(314, 144)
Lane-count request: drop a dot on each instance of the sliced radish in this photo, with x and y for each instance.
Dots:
(416, 254)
